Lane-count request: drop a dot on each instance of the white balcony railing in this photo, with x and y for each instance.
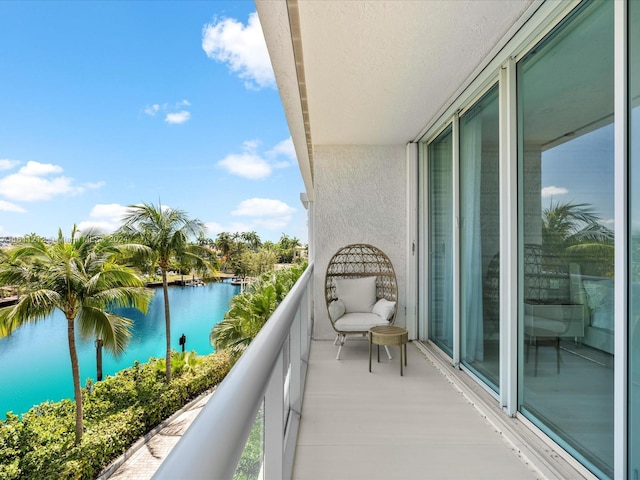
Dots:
(272, 370)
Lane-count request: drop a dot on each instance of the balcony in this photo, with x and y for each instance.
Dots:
(333, 419)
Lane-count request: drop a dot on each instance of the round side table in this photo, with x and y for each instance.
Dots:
(389, 335)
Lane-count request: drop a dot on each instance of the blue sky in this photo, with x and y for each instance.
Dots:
(109, 104)
(581, 171)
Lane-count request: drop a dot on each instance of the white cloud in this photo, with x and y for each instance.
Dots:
(33, 182)
(258, 214)
(108, 210)
(11, 207)
(552, 191)
(39, 169)
(177, 117)
(285, 148)
(214, 228)
(104, 217)
(100, 226)
(253, 165)
(173, 114)
(261, 213)
(242, 48)
(152, 109)
(263, 207)
(247, 165)
(7, 164)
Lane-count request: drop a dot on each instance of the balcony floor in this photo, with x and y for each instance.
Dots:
(379, 425)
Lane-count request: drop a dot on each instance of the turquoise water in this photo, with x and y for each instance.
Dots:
(35, 364)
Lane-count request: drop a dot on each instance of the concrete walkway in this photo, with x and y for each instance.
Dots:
(142, 460)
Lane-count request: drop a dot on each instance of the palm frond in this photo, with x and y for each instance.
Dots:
(114, 330)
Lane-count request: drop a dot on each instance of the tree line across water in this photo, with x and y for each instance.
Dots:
(88, 275)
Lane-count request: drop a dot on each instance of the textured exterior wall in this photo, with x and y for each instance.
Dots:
(360, 197)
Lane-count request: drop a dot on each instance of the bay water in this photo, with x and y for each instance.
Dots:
(35, 364)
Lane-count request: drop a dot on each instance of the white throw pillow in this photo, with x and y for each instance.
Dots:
(336, 309)
(358, 294)
(384, 308)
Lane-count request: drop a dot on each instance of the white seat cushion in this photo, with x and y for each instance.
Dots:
(543, 327)
(358, 294)
(359, 322)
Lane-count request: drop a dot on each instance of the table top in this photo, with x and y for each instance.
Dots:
(388, 330)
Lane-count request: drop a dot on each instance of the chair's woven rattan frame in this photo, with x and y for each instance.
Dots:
(357, 261)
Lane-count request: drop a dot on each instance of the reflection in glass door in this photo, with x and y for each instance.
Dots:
(479, 239)
(566, 210)
(440, 173)
(634, 242)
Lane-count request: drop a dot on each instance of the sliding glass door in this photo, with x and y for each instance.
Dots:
(566, 253)
(440, 187)
(480, 239)
(634, 241)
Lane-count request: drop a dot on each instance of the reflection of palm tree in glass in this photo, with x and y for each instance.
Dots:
(574, 232)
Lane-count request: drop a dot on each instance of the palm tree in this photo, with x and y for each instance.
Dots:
(166, 232)
(250, 310)
(286, 247)
(81, 278)
(575, 230)
(252, 240)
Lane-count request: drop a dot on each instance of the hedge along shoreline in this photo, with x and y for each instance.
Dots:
(118, 412)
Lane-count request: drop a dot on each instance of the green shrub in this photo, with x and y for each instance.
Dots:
(117, 412)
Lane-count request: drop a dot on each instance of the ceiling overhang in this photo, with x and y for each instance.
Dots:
(377, 72)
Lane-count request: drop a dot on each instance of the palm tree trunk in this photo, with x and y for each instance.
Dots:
(167, 323)
(75, 370)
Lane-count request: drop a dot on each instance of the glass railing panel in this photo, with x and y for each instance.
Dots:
(252, 459)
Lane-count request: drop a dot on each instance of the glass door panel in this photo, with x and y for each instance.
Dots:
(634, 242)
(440, 168)
(480, 239)
(566, 211)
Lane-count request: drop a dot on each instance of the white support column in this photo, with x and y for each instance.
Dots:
(621, 178)
(412, 241)
(274, 422)
(424, 256)
(508, 239)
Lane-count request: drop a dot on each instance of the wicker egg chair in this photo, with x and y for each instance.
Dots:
(358, 261)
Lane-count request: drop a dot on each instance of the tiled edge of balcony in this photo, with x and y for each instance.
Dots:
(433, 421)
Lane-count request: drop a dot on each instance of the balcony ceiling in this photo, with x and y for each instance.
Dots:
(377, 72)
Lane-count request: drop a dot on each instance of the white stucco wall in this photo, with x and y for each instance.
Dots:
(360, 197)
